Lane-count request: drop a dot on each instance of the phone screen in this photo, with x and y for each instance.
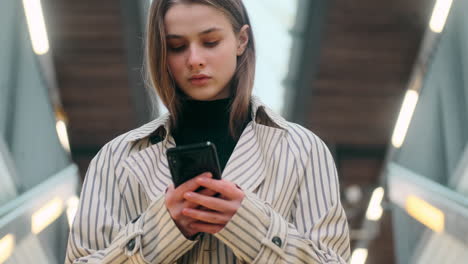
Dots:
(189, 161)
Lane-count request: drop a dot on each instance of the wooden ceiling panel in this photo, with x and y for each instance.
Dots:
(87, 40)
(359, 171)
(367, 54)
(353, 119)
(353, 87)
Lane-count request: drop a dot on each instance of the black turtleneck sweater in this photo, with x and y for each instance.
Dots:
(206, 121)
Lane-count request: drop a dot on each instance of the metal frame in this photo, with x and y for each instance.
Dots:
(307, 34)
(7, 168)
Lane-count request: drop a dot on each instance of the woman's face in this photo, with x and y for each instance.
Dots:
(202, 50)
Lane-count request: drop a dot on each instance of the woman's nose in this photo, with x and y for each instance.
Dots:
(195, 58)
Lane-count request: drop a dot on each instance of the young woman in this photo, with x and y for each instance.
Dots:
(278, 200)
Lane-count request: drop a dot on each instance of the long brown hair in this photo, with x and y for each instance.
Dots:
(159, 79)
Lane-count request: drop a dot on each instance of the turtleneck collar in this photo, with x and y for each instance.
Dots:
(205, 113)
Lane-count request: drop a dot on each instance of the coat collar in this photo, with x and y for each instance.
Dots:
(247, 166)
(163, 122)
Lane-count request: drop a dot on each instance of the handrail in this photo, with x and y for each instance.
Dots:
(404, 183)
(15, 216)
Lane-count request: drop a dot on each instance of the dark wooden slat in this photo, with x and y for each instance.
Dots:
(89, 52)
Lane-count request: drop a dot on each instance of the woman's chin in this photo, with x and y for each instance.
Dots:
(207, 95)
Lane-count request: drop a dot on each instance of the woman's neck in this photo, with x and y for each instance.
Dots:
(212, 114)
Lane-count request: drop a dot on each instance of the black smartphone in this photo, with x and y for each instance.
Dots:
(189, 161)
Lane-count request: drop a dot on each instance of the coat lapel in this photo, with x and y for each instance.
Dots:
(150, 168)
(249, 163)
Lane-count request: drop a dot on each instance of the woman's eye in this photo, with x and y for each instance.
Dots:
(211, 44)
(177, 48)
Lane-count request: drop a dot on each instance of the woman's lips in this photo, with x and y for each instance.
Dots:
(199, 81)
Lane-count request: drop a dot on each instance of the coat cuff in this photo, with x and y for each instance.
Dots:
(256, 233)
(155, 236)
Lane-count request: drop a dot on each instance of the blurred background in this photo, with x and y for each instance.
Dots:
(383, 83)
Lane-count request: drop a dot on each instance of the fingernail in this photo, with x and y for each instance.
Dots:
(207, 174)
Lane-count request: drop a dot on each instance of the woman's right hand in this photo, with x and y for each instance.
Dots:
(175, 203)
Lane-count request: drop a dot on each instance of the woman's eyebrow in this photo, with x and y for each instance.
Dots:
(213, 29)
(204, 32)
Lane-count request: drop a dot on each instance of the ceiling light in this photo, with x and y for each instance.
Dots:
(7, 244)
(439, 15)
(359, 256)
(36, 26)
(374, 211)
(62, 133)
(72, 207)
(404, 118)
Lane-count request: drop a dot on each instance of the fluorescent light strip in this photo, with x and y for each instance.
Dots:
(7, 244)
(36, 26)
(374, 211)
(359, 256)
(404, 118)
(72, 207)
(439, 15)
(46, 215)
(425, 213)
(62, 133)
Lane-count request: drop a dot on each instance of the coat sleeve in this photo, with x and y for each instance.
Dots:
(318, 232)
(102, 231)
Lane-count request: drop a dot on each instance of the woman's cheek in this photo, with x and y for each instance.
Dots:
(173, 65)
(176, 67)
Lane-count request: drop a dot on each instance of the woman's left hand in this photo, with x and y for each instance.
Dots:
(215, 211)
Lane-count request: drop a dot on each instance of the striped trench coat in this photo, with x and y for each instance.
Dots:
(291, 212)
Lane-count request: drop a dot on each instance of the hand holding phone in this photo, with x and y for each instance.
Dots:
(176, 203)
(187, 164)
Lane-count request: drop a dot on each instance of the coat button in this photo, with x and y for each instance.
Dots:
(277, 241)
(131, 245)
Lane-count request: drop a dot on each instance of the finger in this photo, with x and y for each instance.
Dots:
(207, 192)
(205, 216)
(206, 228)
(225, 188)
(212, 203)
(190, 185)
(200, 207)
(189, 204)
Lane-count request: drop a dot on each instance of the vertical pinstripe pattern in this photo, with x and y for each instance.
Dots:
(286, 172)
